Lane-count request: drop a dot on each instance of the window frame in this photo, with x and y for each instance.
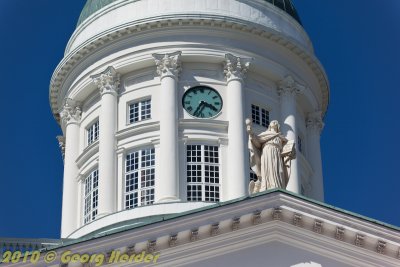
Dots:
(92, 127)
(203, 184)
(260, 114)
(90, 214)
(140, 188)
(140, 102)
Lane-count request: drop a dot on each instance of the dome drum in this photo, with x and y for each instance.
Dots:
(154, 121)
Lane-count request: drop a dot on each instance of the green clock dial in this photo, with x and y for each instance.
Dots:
(202, 102)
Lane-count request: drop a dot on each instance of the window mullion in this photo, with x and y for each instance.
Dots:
(140, 107)
(139, 190)
(203, 173)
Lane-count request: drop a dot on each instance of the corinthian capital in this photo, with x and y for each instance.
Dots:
(107, 81)
(314, 121)
(71, 112)
(235, 68)
(289, 86)
(168, 65)
(61, 143)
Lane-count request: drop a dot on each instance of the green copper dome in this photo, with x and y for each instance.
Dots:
(91, 7)
(94, 5)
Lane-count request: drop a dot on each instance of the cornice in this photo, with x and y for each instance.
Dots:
(138, 128)
(204, 124)
(69, 62)
(249, 222)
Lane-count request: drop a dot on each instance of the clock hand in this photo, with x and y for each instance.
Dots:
(199, 112)
(211, 106)
(198, 108)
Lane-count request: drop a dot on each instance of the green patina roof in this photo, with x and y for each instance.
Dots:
(141, 222)
(93, 6)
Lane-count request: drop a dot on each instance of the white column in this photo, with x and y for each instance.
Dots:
(314, 128)
(120, 179)
(71, 116)
(107, 82)
(238, 163)
(167, 180)
(288, 89)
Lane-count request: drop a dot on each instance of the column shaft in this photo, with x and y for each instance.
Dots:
(107, 82)
(69, 222)
(167, 179)
(238, 165)
(168, 184)
(288, 112)
(288, 89)
(107, 155)
(238, 161)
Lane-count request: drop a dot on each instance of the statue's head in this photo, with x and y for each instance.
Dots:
(274, 125)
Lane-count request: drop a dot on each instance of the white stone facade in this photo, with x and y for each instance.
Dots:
(131, 51)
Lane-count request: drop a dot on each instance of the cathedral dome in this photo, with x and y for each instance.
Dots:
(94, 5)
(152, 97)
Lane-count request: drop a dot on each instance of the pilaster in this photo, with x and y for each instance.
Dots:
(315, 125)
(314, 122)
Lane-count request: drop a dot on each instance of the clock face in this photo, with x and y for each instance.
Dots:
(202, 102)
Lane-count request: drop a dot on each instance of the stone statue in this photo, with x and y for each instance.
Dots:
(270, 156)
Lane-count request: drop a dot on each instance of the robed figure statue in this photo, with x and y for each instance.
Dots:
(270, 156)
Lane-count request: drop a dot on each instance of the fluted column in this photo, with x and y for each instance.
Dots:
(238, 162)
(108, 83)
(168, 68)
(70, 117)
(314, 128)
(288, 89)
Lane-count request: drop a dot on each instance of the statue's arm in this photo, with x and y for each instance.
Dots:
(254, 139)
(263, 138)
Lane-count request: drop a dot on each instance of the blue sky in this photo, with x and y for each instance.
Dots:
(356, 41)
